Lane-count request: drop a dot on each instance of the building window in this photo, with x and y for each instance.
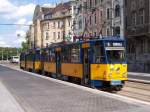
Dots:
(90, 3)
(95, 34)
(58, 24)
(117, 11)
(47, 35)
(96, 2)
(69, 23)
(101, 16)
(142, 46)
(148, 46)
(58, 35)
(54, 35)
(63, 35)
(133, 5)
(141, 3)
(85, 21)
(108, 13)
(80, 24)
(47, 25)
(108, 32)
(131, 48)
(54, 24)
(117, 31)
(133, 16)
(90, 20)
(95, 19)
(141, 16)
(46, 44)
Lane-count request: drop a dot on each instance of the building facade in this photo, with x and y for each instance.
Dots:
(57, 24)
(137, 19)
(30, 36)
(100, 18)
(52, 25)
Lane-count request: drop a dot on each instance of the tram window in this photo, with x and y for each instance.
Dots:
(22, 57)
(66, 55)
(52, 56)
(37, 57)
(116, 55)
(75, 54)
(30, 57)
(98, 54)
(45, 56)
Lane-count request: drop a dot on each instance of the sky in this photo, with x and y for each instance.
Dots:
(17, 12)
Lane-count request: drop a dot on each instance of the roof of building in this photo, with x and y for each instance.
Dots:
(59, 7)
(45, 10)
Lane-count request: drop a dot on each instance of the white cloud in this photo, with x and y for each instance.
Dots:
(3, 43)
(6, 7)
(49, 5)
(12, 40)
(29, 22)
(10, 11)
(18, 41)
(21, 21)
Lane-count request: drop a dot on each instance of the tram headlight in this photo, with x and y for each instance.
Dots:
(111, 67)
(124, 65)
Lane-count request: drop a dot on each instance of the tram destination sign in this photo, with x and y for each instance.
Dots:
(114, 44)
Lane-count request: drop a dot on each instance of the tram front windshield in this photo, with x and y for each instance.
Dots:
(115, 55)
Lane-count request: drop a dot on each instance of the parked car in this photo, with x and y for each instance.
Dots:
(14, 59)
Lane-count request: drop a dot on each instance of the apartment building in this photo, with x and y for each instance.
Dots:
(57, 24)
(99, 18)
(38, 16)
(52, 25)
(30, 36)
(137, 19)
(114, 10)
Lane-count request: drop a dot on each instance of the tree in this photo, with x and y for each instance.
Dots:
(25, 46)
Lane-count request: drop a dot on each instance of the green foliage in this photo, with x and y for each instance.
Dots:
(25, 46)
(7, 53)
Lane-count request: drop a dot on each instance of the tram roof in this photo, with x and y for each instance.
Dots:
(93, 40)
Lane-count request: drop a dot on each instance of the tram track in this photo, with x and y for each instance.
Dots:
(136, 90)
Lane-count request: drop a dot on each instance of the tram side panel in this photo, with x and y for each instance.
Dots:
(22, 61)
(71, 63)
(30, 62)
(49, 61)
(73, 70)
(37, 62)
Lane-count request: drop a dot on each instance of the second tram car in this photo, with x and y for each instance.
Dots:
(95, 63)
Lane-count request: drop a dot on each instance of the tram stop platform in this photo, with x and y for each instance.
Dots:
(30, 92)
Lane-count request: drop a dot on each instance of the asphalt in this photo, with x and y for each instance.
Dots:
(34, 93)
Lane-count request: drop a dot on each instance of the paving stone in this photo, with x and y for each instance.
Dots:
(35, 94)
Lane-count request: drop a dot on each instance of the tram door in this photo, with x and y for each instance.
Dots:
(86, 66)
(58, 62)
